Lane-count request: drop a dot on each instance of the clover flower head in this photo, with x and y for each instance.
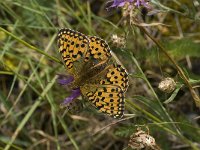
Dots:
(66, 80)
(75, 93)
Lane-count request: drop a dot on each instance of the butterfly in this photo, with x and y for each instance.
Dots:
(100, 79)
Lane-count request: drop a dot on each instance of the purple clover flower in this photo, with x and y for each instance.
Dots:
(120, 3)
(66, 80)
(138, 3)
(75, 93)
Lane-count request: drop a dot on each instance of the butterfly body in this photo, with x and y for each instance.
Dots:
(101, 80)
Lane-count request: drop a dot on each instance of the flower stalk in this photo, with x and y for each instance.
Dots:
(180, 71)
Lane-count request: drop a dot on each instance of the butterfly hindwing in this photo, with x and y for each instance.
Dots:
(105, 93)
(118, 76)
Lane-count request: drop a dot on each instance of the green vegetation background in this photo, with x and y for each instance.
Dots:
(30, 116)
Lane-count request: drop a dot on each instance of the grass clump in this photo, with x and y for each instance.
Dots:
(162, 44)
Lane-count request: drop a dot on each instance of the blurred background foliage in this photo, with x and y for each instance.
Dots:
(30, 116)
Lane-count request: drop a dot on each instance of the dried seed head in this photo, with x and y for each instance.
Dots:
(118, 41)
(142, 140)
(167, 85)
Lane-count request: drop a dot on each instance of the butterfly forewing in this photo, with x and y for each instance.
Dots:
(73, 47)
(98, 50)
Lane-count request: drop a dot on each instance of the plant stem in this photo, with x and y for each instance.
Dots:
(180, 71)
